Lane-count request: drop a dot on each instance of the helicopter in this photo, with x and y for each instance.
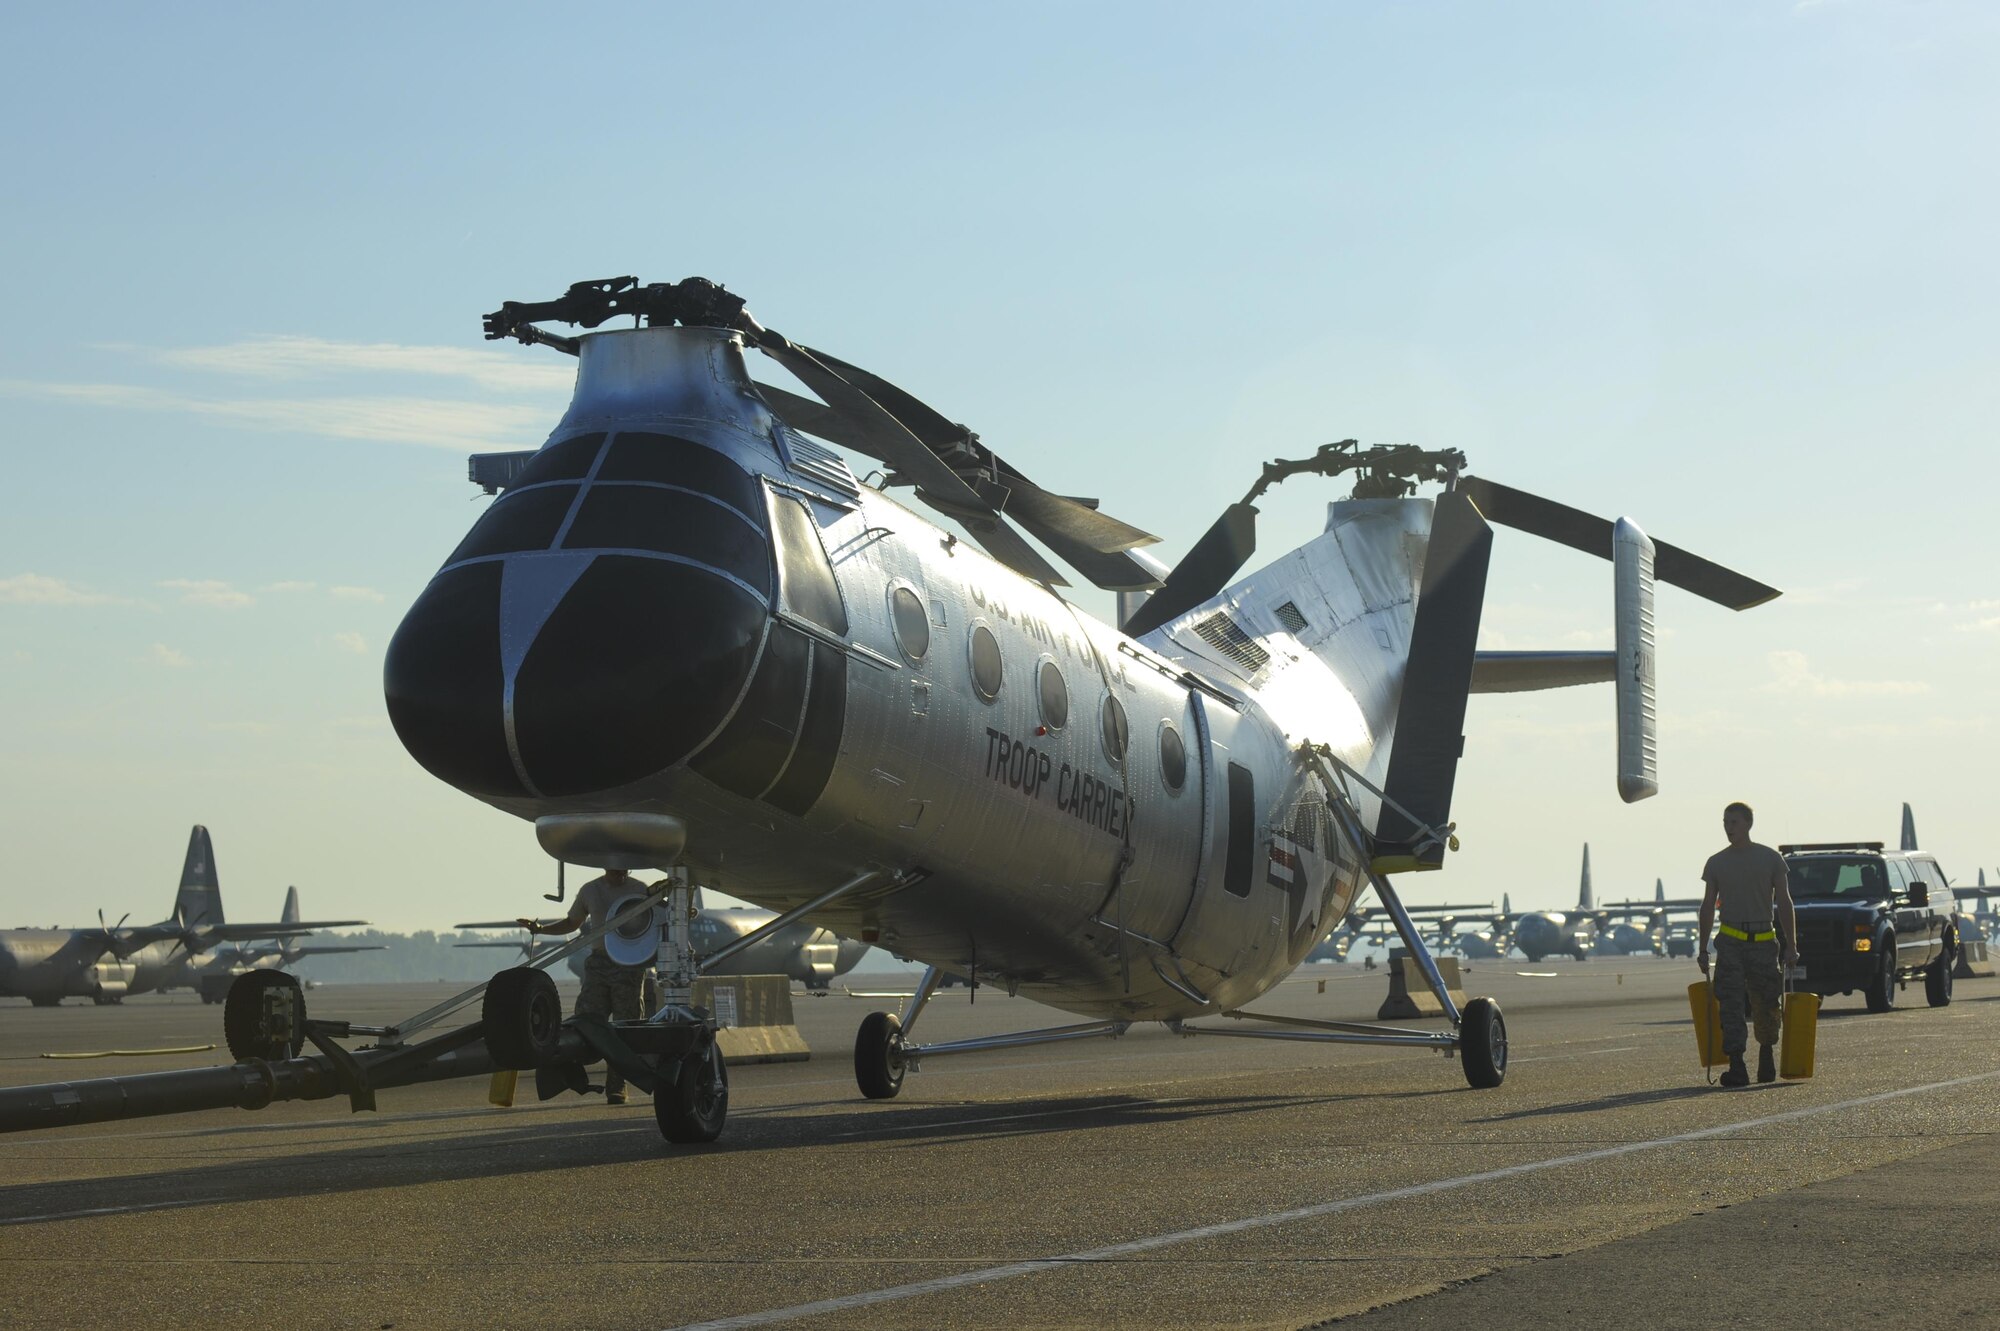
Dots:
(685, 635)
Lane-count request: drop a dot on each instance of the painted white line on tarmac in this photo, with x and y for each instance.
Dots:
(1155, 1242)
(1588, 1053)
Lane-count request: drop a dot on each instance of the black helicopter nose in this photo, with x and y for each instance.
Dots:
(634, 663)
(594, 627)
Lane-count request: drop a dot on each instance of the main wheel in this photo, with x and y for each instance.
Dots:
(1937, 980)
(1881, 991)
(878, 1056)
(523, 1018)
(693, 1107)
(46, 1002)
(245, 1028)
(1482, 1043)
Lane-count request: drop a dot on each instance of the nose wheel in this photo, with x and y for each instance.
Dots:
(878, 1056)
(1482, 1044)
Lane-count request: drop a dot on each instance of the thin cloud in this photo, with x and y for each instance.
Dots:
(351, 642)
(1794, 674)
(209, 592)
(162, 655)
(429, 422)
(294, 357)
(35, 589)
(355, 594)
(1979, 625)
(291, 586)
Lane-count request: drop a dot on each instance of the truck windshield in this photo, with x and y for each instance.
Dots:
(1823, 877)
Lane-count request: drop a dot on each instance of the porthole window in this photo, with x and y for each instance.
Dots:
(1113, 729)
(911, 624)
(1173, 757)
(1055, 695)
(985, 662)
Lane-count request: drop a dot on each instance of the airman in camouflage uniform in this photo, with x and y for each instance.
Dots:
(610, 991)
(1750, 886)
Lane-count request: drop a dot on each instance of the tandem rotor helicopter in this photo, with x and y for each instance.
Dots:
(685, 637)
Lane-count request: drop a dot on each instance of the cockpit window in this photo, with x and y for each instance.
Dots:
(518, 520)
(1830, 877)
(805, 578)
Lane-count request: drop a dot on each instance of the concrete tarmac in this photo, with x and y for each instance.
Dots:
(1151, 1181)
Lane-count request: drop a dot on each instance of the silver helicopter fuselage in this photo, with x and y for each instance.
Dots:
(832, 737)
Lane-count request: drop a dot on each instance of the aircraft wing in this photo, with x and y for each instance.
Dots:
(490, 924)
(248, 933)
(325, 951)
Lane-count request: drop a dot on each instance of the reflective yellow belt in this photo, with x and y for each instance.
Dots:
(1730, 931)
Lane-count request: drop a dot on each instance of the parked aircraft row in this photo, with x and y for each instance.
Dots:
(194, 948)
(1621, 928)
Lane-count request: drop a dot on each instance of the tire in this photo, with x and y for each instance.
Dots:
(46, 1002)
(694, 1107)
(1482, 1044)
(523, 1018)
(1881, 991)
(243, 1018)
(878, 1056)
(1937, 980)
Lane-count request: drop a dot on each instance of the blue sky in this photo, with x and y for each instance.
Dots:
(1725, 267)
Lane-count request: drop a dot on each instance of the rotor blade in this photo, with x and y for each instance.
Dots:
(1437, 677)
(891, 441)
(1079, 521)
(1205, 570)
(1087, 540)
(1583, 531)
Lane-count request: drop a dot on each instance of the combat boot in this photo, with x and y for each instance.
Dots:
(1767, 1066)
(1738, 1075)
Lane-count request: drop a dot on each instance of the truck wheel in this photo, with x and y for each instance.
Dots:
(522, 1015)
(878, 1056)
(1937, 980)
(1482, 1044)
(244, 1028)
(1881, 991)
(693, 1108)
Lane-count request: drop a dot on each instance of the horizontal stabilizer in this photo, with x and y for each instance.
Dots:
(1521, 672)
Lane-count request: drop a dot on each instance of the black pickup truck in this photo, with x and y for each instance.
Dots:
(1871, 919)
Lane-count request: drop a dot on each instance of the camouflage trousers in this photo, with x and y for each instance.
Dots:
(610, 993)
(1747, 971)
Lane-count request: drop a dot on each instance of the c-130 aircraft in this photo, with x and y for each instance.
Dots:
(685, 629)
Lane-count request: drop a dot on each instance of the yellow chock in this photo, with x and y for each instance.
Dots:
(500, 1091)
(1707, 1034)
(1798, 1036)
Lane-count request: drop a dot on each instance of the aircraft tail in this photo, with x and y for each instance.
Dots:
(1585, 898)
(1660, 889)
(290, 914)
(199, 902)
(1909, 830)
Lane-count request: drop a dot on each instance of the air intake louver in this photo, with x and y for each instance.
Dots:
(1291, 617)
(1222, 633)
(820, 464)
